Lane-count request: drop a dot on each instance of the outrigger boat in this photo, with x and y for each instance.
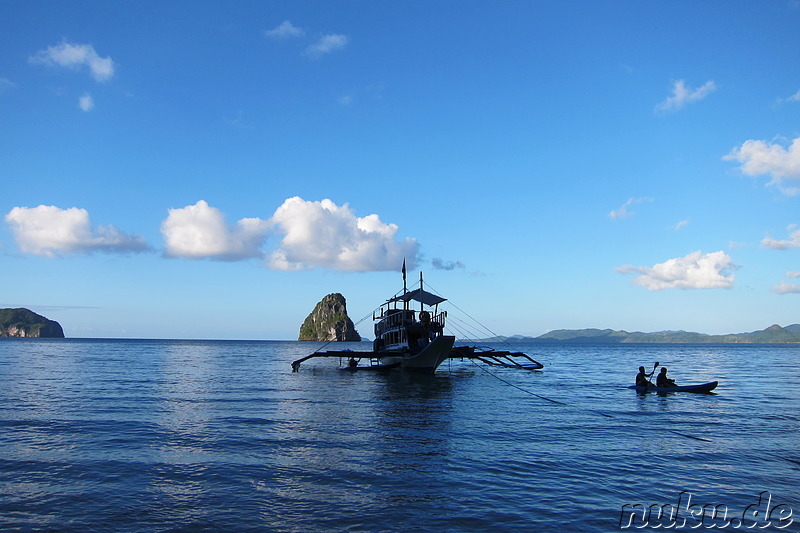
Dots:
(414, 340)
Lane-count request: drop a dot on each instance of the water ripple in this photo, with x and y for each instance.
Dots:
(169, 436)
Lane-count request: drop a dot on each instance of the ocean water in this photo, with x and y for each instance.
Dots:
(157, 436)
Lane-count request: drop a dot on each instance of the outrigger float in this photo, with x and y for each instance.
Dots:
(415, 341)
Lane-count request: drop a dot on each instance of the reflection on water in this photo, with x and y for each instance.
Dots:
(214, 436)
(185, 383)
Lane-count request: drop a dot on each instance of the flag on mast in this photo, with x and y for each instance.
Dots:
(404, 271)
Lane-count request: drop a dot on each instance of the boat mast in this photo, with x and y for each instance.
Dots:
(421, 294)
(405, 289)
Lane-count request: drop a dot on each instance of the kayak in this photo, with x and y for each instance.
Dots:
(703, 387)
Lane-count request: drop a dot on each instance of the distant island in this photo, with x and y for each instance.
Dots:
(23, 322)
(773, 334)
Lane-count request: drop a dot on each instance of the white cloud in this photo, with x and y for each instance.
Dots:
(86, 102)
(327, 44)
(310, 235)
(76, 56)
(680, 225)
(200, 232)
(794, 98)
(760, 158)
(695, 271)
(786, 288)
(286, 30)
(322, 234)
(682, 95)
(793, 242)
(50, 231)
(623, 211)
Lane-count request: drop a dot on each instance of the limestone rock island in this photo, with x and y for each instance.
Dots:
(329, 322)
(23, 322)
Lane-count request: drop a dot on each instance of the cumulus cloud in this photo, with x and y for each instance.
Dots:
(322, 46)
(792, 242)
(86, 102)
(200, 231)
(50, 231)
(286, 30)
(327, 44)
(624, 212)
(440, 264)
(786, 288)
(682, 95)
(309, 235)
(694, 271)
(322, 234)
(760, 158)
(76, 56)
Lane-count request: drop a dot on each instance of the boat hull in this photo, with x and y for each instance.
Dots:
(426, 361)
(701, 388)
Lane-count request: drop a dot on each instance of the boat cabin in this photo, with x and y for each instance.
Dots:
(400, 328)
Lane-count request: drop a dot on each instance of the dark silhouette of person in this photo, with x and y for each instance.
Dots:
(662, 380)
(641, 377)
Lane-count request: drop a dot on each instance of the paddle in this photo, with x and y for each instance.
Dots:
(653, 372)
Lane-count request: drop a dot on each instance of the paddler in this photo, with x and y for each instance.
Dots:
(662, 380)
(641, 377)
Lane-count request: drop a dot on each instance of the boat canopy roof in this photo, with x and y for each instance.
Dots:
(419, 295)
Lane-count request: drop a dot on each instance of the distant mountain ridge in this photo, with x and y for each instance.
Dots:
(772, 334)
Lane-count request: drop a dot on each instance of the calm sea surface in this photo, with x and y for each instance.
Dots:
(134, 435)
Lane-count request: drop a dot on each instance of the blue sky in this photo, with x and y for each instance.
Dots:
(212, 170)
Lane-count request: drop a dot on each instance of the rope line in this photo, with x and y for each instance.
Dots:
(326, 343)
(573, 407)
(515, 386)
